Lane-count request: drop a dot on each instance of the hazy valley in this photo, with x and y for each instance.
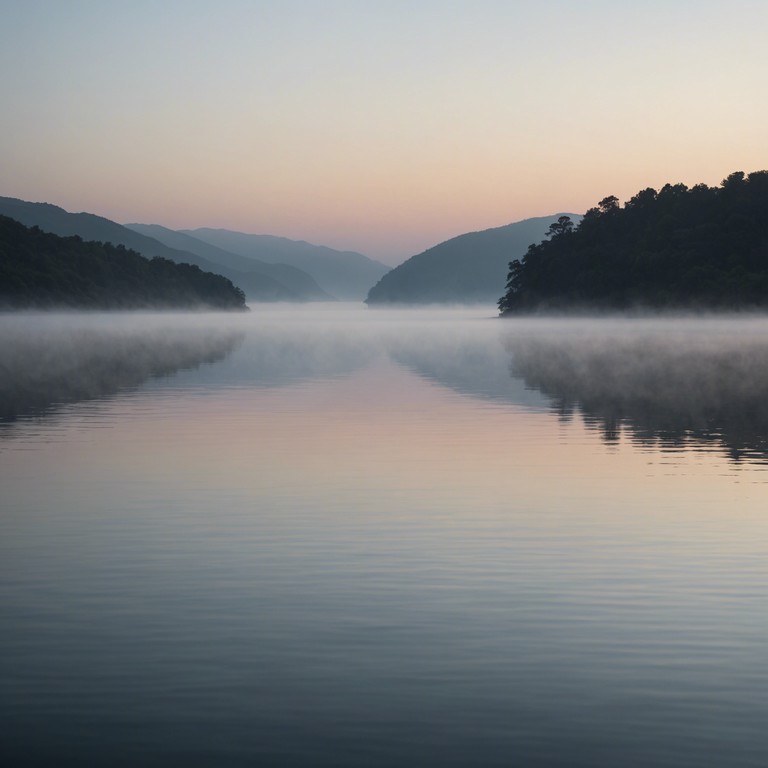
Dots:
(383, 385)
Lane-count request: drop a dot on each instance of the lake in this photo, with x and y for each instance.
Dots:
(323, 535)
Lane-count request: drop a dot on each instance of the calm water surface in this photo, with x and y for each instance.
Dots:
(331, 536)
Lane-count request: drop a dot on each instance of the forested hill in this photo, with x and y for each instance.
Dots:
(465, 269)
(42, 270)
(698, 248)
(259, 281)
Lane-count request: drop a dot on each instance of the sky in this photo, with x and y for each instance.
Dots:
(379, 126)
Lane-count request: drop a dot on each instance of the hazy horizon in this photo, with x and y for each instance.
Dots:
(382, 128)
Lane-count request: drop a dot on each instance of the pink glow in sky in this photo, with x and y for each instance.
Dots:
(383, 127)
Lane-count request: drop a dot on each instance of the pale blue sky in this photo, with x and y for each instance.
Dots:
(384, 127)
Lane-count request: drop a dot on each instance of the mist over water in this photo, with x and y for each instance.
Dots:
(329, 535)
(682, 383)
(49, 360)
(671, 383)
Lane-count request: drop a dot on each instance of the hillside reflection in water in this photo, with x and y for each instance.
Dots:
(672, 387)
(50, 360)
(672, 384)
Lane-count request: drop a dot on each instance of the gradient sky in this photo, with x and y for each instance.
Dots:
(379, 126)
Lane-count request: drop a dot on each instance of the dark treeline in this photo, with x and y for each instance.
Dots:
(41, 270)
(698, 248)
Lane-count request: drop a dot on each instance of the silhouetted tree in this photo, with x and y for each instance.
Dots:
(562, 226)
(608, 204)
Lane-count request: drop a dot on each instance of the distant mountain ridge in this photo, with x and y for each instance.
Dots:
(465, 269)
(258, 281)
(297, 280)
(345, 274)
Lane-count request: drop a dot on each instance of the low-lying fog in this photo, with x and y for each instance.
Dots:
(672, 381)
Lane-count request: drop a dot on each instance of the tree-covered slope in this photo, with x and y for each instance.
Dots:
(703, 247)
(258, 285)
(42, 270)
(468, 268)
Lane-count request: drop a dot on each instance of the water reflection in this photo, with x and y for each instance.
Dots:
(667, 387)
(271, 356)
(47, 360)
(664, 383)
(268, 561)
(477, 367)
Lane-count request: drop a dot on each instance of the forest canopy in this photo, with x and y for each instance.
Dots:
(43, 271)
(691, 248)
